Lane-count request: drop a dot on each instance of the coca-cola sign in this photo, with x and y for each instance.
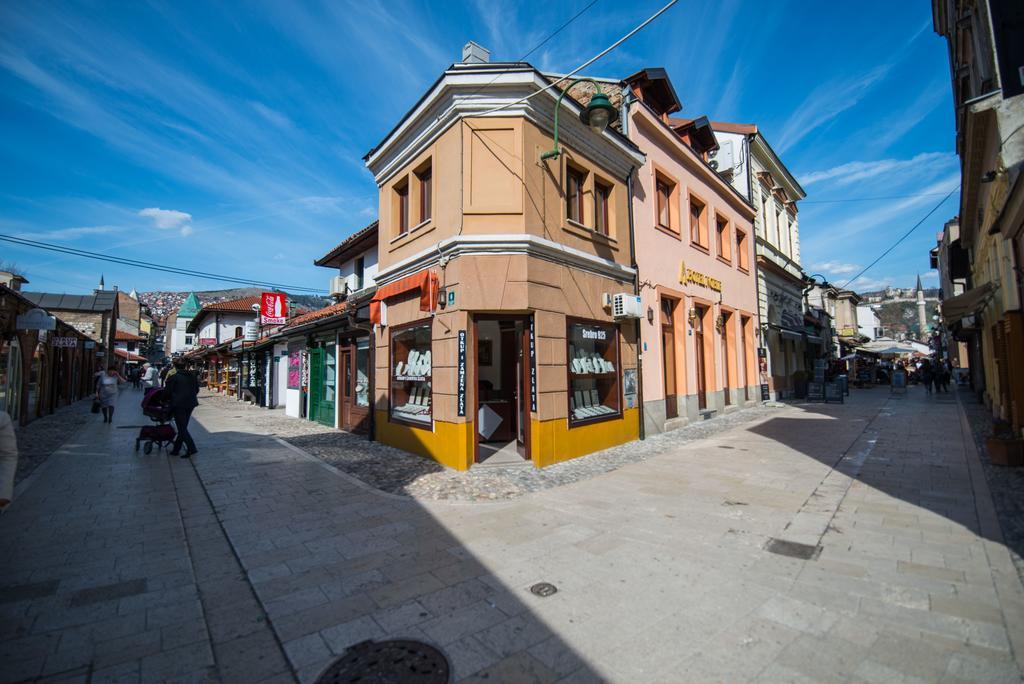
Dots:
(273, 308)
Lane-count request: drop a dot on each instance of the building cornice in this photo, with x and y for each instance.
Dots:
(771, 162)
(518, 243)
(464, 93)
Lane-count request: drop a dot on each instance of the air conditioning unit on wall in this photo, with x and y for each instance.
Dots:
(626, 305)
(343, 285)
(722, 159)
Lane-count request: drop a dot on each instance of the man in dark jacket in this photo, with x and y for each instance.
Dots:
(183, 388)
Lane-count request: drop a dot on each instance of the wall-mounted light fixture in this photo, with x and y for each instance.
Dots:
(692, 317)
(720, 323)
(650, 315)
(598, 114)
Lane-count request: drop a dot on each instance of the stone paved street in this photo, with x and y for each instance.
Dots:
(259, 562)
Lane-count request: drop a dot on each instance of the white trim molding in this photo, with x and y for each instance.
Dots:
(519, 243)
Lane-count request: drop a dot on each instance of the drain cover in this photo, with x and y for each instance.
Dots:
(399, 661)
(543, 589)
(792, 549)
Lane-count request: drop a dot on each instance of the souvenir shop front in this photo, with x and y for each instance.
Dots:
(544, 377)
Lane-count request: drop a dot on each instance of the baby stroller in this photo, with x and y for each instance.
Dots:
(157, 406)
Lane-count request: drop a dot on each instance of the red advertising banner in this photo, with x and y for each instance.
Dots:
(207, 341)
(273, 308)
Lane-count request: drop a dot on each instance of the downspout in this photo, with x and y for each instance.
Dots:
(762, 343)
(624, 118)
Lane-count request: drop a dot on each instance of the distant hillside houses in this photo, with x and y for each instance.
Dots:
(899, 294)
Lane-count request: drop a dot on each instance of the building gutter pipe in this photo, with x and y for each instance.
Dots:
(624, 118)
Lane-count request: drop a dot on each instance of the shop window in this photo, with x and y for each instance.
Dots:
(402, 207)
(722, 237)
(425, 190)
(743, 260)
(664, 189)
(360, 270)
(593, 367)
(698, 222)
(238, 331)
(411, 374)
(602, 207)
(362, 389)
(575, 180)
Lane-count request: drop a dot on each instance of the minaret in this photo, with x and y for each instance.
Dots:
(922, 318)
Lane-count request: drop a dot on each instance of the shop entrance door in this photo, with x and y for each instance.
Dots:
(316, 387)
(668, 354)
(502, 413)
(698, 345)
(345, 387)
(726, 380)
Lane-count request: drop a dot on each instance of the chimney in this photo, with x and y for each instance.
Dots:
(475, 54)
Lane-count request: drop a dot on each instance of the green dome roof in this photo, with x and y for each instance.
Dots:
(190, 307)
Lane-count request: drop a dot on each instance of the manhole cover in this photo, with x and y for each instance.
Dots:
(397, 661)
(543, 589)
(792, 549)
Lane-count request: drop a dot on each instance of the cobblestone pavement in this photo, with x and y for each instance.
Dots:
(258, 562)
(398, 472)
(1006, 483)
(43, 436)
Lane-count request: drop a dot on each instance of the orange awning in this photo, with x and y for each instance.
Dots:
(424, 281)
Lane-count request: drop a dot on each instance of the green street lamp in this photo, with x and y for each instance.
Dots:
(598, 113)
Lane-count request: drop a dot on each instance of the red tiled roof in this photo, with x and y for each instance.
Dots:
(723, 126)
(129, 355)
(316, 315)
(243, 305)
(338, 250)
(125, 336)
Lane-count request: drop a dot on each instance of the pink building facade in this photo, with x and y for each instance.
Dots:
(694, 245)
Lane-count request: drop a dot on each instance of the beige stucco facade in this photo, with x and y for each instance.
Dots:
(496, 241)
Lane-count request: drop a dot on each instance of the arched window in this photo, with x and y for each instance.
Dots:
(238, 331)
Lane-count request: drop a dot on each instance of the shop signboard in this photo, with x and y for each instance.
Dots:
(295, 369)
(68, 342)
(251, 331)
(833, 392)
(899, 380)
(462, 374)
(273, 308)
(815, 391)
(533, 367)
(89, 344)
(207, 341)
(629, 387)
(765, 392)
(36, 319)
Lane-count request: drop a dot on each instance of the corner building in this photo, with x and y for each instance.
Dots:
(694, 250)
(492, 331)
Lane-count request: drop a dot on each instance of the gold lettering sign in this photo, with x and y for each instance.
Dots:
(688, 275)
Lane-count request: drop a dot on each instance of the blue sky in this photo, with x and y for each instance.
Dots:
(229, 137)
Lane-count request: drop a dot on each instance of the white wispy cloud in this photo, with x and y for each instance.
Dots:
(836, 268)
(851, 172)
(170, 219)
(69, 233)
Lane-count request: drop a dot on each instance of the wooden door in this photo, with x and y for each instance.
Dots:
(725, 362)
(523, 389)
(316, 382)
(698, 344)
(668, 357)
(328, 385)
(346, 385)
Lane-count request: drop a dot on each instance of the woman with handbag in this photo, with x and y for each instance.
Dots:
(106, 392)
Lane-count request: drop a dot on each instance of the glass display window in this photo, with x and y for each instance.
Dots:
(362, 390)
(593, 369)
(411, 368)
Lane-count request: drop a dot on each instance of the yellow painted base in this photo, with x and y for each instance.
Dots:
(449, 443)
(554, 442)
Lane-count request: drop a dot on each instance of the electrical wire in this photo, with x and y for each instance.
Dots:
(124, 261)
(903, 237)
(870, 199)
(583, 66)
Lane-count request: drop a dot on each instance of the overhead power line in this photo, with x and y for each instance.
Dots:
(135, 263)
(583, 66)
(903, 237)
(870, 199)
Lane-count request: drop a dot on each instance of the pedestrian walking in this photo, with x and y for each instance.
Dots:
(927, 374)
(106, 391)
(150, 376)
(136, 377)
(183, 388)
(8, 460)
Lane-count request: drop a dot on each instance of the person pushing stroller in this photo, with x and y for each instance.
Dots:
(183, 387)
